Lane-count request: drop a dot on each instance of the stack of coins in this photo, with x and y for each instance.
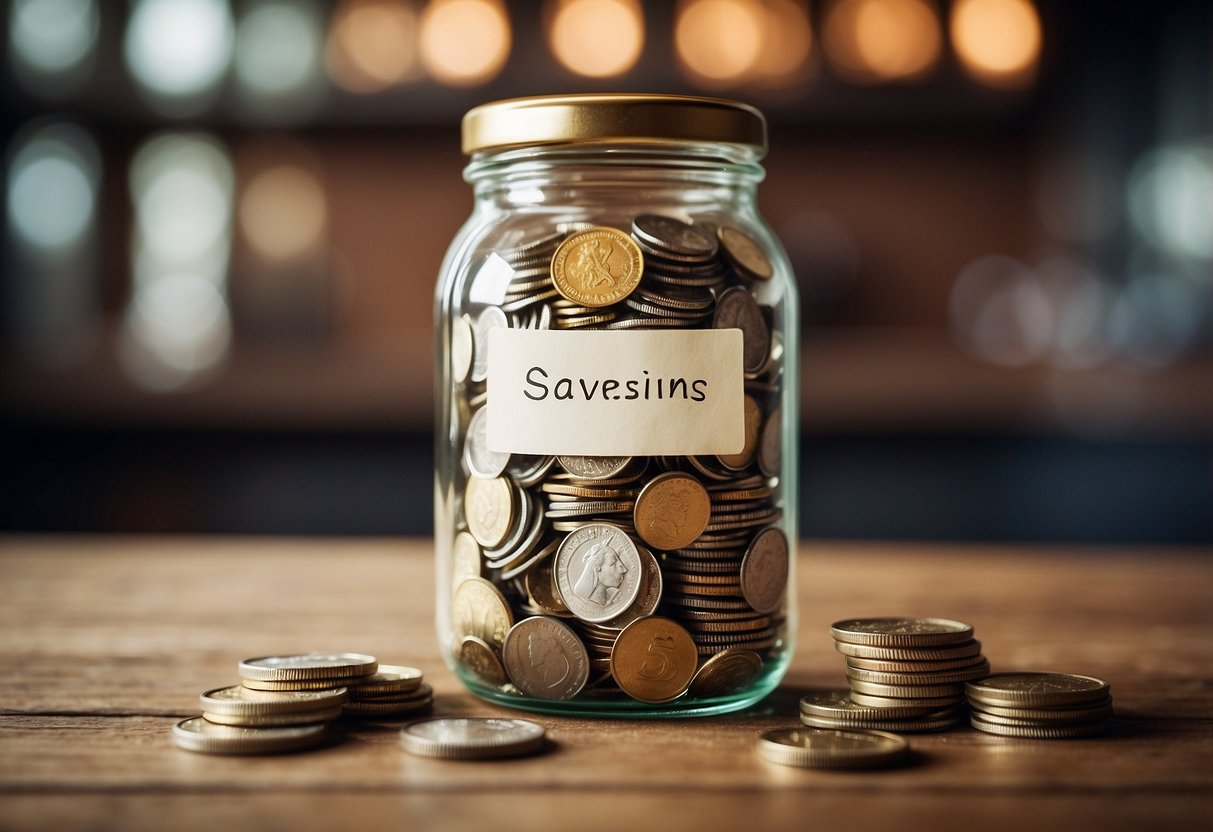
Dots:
(284, 702)
(908, 673)
(1040, 705)
(592, 546)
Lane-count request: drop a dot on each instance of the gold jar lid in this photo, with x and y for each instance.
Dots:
(612, 118)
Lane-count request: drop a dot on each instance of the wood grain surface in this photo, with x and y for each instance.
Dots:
(106, 642)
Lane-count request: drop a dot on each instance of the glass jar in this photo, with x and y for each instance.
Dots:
(615, 470)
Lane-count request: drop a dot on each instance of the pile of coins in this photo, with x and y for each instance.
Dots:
(284, 703)
(580, 574)
(905, 674)
(1040, 705)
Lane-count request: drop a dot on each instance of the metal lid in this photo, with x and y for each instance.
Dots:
(614, 118)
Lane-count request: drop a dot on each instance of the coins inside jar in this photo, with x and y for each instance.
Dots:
(618, 559)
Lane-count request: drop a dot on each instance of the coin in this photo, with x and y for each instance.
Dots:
(730, 671)
(272, 720)
(479, 609)
(832, 748)
(647, 598)
(674, 236)
(671, 511)
(947, 651)
(544, 658)
(388, 679)
(461, 348)
(1037, 689)
(476, 454)
(1063, 732)
(196, 734)
(272, 686)
(901, 632)
(923, 724)
(489, 505)
(1080, 713)
(905, 691)
(238, 699)
(737, 309)
(597, 571)
(938, 677)
(308, 666)
(752, 418)
(744, 253)
(465, 558)
(764, 570)
(594, 467)
(468, 738)
(770, 444)
(489, 318)
(918, 666)
(932, 703)
(597, 267)
(837, 704)
(478, 656)
(654, 659)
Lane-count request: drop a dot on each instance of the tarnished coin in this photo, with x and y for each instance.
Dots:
(594, 467)
(674, 236)
(744, 253)
(478, 656)
(489, 318)
(1037, 732)
(465, 558)
(1038, 690)
(480, 460)
(737, 309)
(479, 609)
(273, 720)
(388, 680)
(308, 666)
(943, 652)
(239, 700)
(544, 658)
(832, 748)
(470, 738)
(729, 671)
(196, 734)
(489, 505)
(598, 571)
(672, 510)
(901, 632)
(752, 426)
(770, 444)
(461, 349)
(654, 659)
(837, 704)
(597, 267)
(764, 570)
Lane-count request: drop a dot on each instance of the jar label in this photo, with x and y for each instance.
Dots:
(616, 393)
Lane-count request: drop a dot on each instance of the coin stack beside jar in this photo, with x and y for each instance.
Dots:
(284, 702)
(560, 563)
(905, 674)
(1040, 705)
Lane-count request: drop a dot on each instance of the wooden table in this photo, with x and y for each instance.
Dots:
(107, 642)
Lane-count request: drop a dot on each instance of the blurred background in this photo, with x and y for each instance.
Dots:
(223, 223)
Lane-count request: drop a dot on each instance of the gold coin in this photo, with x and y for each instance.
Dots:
(832, 748)
(263, 720)
(597, 267)
(654, 659)
(479, 609)
(476, 655)
(308, 666)
(730, 671)
(1038, 689)
(489, 506)
(901, 632)
(196, 734)
(671, 511)
(238, 699)
(764, 570)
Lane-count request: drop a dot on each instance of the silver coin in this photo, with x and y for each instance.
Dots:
(598, 571)
(545, 659)
(467, 738)
(488, 318)
(594, 467)
(480, 460)
(461, 349)
(649, 596)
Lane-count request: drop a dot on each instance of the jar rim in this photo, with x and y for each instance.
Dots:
(613, 118)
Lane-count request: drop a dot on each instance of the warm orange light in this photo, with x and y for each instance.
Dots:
(997, 41)
(597, 38)
(882, 40)
(719, 41)
(372, 44)
(283, 212)
(464, 42)
(788, 40)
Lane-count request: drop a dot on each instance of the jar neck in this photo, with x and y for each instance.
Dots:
(586, 175)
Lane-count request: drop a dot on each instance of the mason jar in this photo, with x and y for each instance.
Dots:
(616, 396)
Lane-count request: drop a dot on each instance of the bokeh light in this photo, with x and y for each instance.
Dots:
(1000, 312)
(278, 56)
(788, 41)
(53, 177)
(464, 42)
(176, 329)
(719, 42)
(597, 38)
(283, 212)
(997, 41)
(178, 51)
(874, 41)
(1170, 199)
(52, 42)
(372, 44)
